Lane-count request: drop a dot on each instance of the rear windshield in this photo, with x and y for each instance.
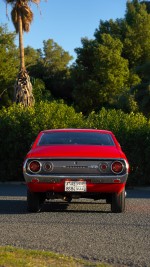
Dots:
(76, 138)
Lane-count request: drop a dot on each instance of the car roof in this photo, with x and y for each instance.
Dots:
(76, 130)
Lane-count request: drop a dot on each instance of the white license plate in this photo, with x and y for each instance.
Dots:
(75, 186)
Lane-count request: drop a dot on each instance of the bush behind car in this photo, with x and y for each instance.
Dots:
(19, 127)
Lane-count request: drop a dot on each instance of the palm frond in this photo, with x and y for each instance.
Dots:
(14, 17)
(27, 17)
(27, 13)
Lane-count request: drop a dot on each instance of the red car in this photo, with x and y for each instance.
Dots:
(76, 163)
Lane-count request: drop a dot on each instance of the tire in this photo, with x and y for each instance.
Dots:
(33, 201)
(118, 202)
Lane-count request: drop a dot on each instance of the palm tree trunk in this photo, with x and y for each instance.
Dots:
(23, 86)
(21, 46)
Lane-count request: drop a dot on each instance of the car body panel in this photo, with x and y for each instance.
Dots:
(72, 151)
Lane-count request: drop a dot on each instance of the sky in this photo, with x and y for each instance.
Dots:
(65, 21)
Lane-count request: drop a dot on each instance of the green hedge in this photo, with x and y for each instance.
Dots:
(19, 127)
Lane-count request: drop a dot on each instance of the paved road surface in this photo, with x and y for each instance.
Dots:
(84, 229)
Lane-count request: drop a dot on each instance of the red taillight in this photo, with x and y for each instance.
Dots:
(34, 166)
(117, 167)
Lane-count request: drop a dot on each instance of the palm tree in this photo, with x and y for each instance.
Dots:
(22, 17)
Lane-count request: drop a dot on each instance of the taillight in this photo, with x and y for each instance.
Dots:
(117, 167)
(34, 166)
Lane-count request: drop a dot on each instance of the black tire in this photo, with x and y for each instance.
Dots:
(33, 201)
(118, 202)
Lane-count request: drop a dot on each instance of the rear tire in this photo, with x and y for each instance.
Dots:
(118, 202)
(33, 201)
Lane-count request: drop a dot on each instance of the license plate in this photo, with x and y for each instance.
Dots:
(75, 186)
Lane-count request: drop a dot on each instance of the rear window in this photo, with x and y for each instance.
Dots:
(76, 138)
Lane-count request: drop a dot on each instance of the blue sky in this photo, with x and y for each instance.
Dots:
(66, 21)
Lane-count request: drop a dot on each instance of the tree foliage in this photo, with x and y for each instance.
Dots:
(9, 63)
(106, 69)
(137, 37)
(52, 67)
(101, 73)
(111, 70)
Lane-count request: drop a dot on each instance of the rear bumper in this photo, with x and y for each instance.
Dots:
(60, 187)
(58, 179)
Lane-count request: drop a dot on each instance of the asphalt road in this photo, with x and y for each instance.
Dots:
(83, 229)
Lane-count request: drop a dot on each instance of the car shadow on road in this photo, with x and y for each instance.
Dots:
(13, 206)
(76, 207)
(20, 207)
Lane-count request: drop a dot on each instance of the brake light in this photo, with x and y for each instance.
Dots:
(117, 167)
(34, 166)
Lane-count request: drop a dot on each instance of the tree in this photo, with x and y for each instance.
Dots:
(142, 90)
(101, 74)
(32, 56)
(137, 50)
(55, 58)
(137, 36)
(22, 17)
(134, 32)
(52, 67)
(9, 63)
(116, 28)
(147, 3)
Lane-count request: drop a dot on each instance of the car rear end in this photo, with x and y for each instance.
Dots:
(74, 170)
